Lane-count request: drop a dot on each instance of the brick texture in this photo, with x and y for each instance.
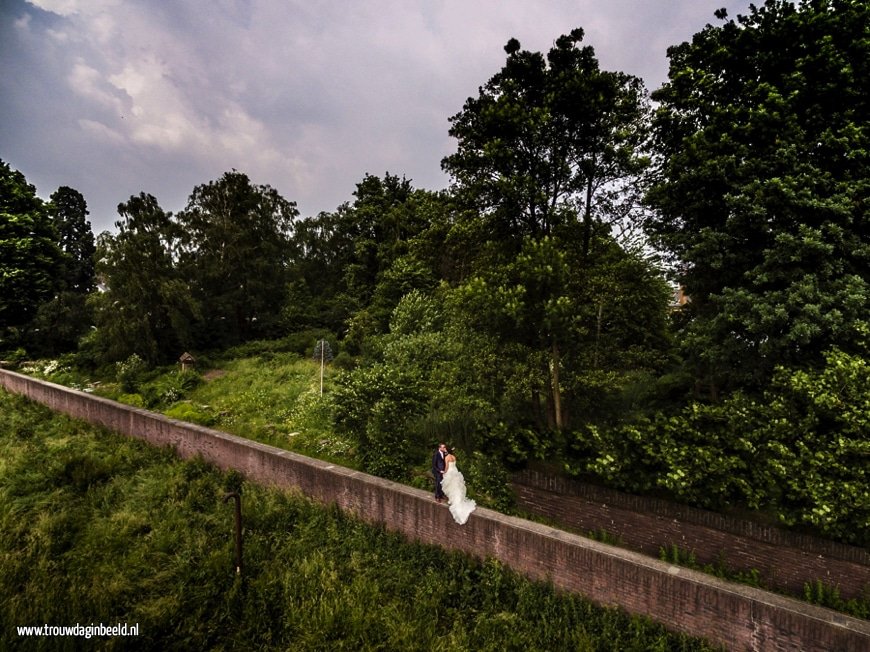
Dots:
(785, 560)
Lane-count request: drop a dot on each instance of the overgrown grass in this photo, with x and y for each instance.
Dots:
(274, 397)
(96, 528)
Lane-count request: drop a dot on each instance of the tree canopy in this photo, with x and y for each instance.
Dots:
(30, 259)
(147, 308)
(234, 252)
(549, 140)
(69, 213)
(762, 188)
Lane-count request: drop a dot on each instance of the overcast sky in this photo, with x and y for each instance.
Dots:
(117, 97)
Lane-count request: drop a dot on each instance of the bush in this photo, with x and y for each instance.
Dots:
(128, 372)
(800, 450)
(187, 411)
(169, 388)
(301, 343)
(13, 358)
(135, 400)
(488, 481)
(375, 406)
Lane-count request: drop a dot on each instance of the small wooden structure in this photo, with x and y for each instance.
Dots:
(188, 362)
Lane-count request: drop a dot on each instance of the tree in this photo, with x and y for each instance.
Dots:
(549, 140)
(147, 308)
(571, 330)
(358, 261)
(550, 155)
(762, 186)
(61, 321)
(235, 254)
(69, 212)
(29, 256)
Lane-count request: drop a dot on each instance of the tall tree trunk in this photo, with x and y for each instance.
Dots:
(597, 335)
(587, 217)
(557, 392)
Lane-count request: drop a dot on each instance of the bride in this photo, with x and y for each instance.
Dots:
(453, 485)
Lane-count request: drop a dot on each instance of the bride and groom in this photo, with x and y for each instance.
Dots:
(450, 484)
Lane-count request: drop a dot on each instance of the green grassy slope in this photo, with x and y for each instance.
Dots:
(96, 528)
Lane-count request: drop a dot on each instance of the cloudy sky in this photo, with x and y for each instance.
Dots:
(117, 97)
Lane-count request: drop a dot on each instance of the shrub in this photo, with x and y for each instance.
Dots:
(128, 372)
(187, 411)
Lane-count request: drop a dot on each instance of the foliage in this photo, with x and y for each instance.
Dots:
(135, 399)
(129, 371)
(563, 325)
(489, 481)
(30, 259)
(97, 527)
(443, 374)
(169, 388)
(358, 261)
(761, 193)
(59, 324)
(826, 595)
(550, 156)
(548, 140)
(299, 343)
(234, 253)
(430, 386)
(191, 412)
(69, 211)
(63, 319)
(674, 554)
(322, 351)
(376, 407)
(147, 308)
(800, 450)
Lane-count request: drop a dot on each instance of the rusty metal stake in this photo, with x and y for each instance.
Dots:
(238, 501)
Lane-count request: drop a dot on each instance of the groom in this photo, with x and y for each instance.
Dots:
(438, 466)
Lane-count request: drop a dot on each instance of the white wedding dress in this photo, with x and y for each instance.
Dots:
(453, 485)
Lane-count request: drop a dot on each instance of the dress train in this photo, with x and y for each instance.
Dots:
(453, 485)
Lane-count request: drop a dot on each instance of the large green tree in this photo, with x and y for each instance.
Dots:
(764, 135)
(235, 254)
(550, 156)
(357, 262)
(63, 320)
(69, 213)
(147, 307)
(550, 140)
(29, 256)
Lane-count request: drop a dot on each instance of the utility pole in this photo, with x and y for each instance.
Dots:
(322, 353)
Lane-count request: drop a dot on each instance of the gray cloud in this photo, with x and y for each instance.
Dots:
(115, 97)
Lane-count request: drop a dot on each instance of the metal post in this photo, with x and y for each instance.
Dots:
(322, 347)
(238, 500)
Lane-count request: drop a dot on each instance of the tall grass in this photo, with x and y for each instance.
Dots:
(274, 398)
(98, 528)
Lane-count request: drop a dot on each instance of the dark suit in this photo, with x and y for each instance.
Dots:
(438, 471)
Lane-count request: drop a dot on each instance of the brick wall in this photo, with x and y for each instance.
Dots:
(739, 617)
(786, 560)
